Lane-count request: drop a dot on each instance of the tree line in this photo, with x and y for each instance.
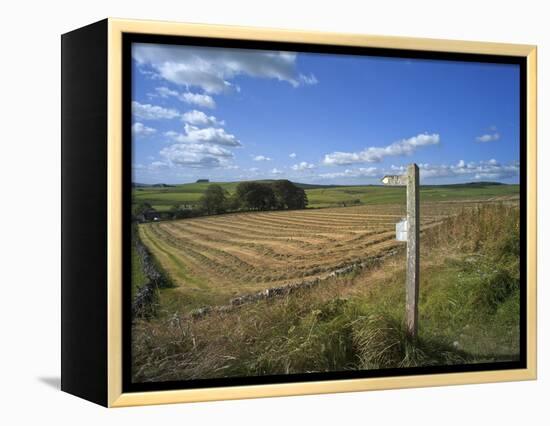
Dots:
(248, 196)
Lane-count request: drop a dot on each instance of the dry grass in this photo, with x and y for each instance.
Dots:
(469, 312)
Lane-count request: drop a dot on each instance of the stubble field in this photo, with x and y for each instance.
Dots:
(213, 259)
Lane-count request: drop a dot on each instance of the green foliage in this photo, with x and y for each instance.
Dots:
(213, 201)
(288, 195)
(140, 209)
(179, 212)
(255, 196)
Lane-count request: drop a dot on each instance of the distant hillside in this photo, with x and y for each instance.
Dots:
(154, 185)
(469, 185)
(203, 183)
(163, 196)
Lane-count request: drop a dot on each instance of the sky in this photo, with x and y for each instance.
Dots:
(235, 114)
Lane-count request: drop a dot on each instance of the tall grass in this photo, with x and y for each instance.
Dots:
(469, 312)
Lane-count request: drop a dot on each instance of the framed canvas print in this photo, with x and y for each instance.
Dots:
(250, 212)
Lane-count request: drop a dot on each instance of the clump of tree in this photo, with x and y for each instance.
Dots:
(255, 196)
(288, 195)
(248, 196)
(214, 200)
(279, 195)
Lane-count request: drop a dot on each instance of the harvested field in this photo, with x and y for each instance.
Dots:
(212, 259)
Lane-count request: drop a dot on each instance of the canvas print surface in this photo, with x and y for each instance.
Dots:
(265, 241)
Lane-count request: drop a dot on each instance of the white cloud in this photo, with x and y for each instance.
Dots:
(490, 169)
(481, 170)
(276, 171)
(165, 92)
(261, 158)
(199, 118)
(212, 69)
(158, 165)
(293, 155)
(309, 80)
(152, 112)
(377, 154)
(139, 129)
(253, 169)
(303, 166)
(360, 172)
(201, 100)
(205, 101)
(196, 155)
(209, 135)
(489, 137)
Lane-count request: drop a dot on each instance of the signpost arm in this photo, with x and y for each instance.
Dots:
(413, 249)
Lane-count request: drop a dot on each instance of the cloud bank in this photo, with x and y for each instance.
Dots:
(212, 69)
(377, 154)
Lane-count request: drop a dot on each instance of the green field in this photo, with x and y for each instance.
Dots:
(162, 198)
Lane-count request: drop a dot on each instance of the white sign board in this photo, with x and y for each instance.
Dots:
(401, 229)
(394, 180)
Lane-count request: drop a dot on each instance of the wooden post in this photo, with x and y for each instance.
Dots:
(413, 250)
(411, 181)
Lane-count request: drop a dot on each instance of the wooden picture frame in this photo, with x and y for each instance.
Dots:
(96, 201)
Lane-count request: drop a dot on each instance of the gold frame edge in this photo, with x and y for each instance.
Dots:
(116, 398)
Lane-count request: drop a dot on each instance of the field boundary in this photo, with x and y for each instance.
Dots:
(145, 299)
(284, 290)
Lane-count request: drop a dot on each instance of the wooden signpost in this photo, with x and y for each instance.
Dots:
(412, 230)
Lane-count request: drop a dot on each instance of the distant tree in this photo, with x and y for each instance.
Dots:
(182, 212)
(233, 202)
(141, 211)
(288, 195)
(255, 196)
(141, 208)
(213, 201)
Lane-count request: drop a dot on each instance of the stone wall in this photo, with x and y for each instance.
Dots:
(146, 299)
(287, 289)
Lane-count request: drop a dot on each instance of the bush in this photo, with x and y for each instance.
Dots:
(496, 288)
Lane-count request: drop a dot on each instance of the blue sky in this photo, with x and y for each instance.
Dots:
(229, 114)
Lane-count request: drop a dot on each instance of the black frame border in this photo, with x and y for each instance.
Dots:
(129, 38)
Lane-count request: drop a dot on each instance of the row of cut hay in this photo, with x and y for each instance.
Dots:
(258, 255)
(200, 263)
(260, 249)
(287, 243)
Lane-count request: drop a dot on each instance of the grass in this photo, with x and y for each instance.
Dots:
(386, 195)
(323, 196)
(469, 312)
